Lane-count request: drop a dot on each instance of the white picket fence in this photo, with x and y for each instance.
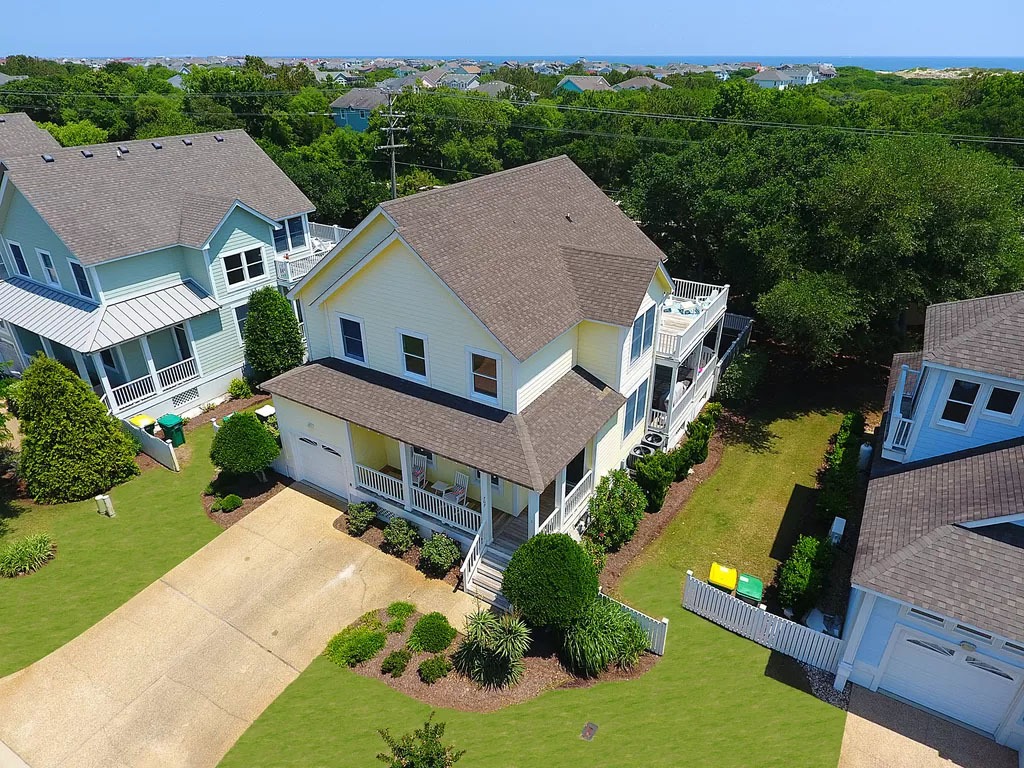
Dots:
(160, 450)
(656, 629)
(755, 623)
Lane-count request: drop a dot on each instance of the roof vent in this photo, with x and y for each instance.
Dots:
(157, 145)
(47, 158)
(86, 153)
(123, 149)
(3, 119)
(187, 142)
(219, 139)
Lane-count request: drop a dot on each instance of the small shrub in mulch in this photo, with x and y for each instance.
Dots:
(604, 635)
(229, 503)
(433, 669)
(398, 614)
(355, 644)
(399, 536)
(439, 554)
(432, 633)
(360, 517)
(394, 663)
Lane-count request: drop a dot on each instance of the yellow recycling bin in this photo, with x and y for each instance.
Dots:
(723, 577)
(143, 421)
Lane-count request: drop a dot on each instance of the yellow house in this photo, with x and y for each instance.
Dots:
(481, 354)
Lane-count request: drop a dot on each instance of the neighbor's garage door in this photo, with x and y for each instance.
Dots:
(320, 464)
(966, 686)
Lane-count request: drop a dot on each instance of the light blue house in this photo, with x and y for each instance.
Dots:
(581, 83)
(132, 263)
(936, 612)
(353, 109)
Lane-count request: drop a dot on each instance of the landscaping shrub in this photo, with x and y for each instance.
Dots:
(209, 490)
(134, 439)
(604, 635)
(804, 573)
(25, 555)
(838, 477)
(491, 655)
(595, 552)
(394, 663)
(360, 517)
(422, 748)
(273, 341)
(244, 445)
(616, 509)
(399, 613)
(433, 669)
(239, 389)
(439, 554)
(12, 396)
(550, 580)
(432, 633)
(655, 474)
(399, 536)
(740, 382)
(72, 448)
(354, 645)
(229, 503)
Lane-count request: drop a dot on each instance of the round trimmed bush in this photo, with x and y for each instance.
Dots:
(550, 580)
(399, 536)
(394, 663)
(604, 635)
(355, 644)
(244, 445)
(360, 517)
(229, 503)
(432, 633)
(433, 669)
(439, 554)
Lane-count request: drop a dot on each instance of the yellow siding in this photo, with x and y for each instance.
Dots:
(599, 349)
(368, 239)
(544, 368)
(395, 291)
(368, 447)
(609, 452)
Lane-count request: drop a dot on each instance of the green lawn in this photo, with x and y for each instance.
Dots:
(102, 562)
(714, 700)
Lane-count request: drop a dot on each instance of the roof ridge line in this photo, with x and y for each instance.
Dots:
(895, 558)
(528, 453)
(985, 324)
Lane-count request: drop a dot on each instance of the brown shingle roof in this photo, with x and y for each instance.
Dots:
(984, 334)
(20, 136)
(638, 83)
(104, 208)
(531, 251)
(528, 449)
(912, 545)
(586, 82)
(361, 98)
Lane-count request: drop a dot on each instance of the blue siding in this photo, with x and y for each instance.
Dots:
(356, 119)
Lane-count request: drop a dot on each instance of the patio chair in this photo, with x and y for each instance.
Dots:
(457, 493)
(419, 470)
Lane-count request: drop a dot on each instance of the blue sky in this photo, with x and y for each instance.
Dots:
(526, 27)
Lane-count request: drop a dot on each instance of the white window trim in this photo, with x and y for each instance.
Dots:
(88, 281)
(288, 235)
(473, 394)
(1005, 418)
(400, 332)
(498, 487)
(245, 268)
(968, 426)
(55, 283)
(628, 430)
(654, 335)
(14, 262)
(340, 351)
(234, 319)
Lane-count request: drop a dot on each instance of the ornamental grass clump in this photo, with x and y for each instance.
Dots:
(26, 555)
(432, 633)
(604, 635)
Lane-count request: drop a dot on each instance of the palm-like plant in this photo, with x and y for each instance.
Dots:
(491, 655)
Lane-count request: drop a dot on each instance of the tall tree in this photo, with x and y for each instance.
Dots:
(273, 341)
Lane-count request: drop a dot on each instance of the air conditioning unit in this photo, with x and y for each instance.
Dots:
(655, 440)
(637, 452)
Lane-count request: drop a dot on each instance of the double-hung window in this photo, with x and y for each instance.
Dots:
(414, 356)
(240, 267)
(290, 236)
(484, 376)
(643, 334)
(1002, 402)
(81, 280)
(636, 407)
(49, 269)
(960, 401)
(352, 347)
(19, 259)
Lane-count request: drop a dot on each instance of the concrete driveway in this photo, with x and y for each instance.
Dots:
(176, 675)
(884, 733)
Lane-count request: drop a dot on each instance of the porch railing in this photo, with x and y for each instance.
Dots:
(472, 561)
(178, 372)
(553, 524)
(134, 391)
(575, 504)
(290, 270)
(678, 345)
(901, 434)
(659, 420)
(454, 514)
(382, 484)
(328, 232)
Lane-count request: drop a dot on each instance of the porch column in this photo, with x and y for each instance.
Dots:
(405, 451)
(149, 363)
(97, 363)
(192, 346)
(851, 643)
(47, 348)
(80, 365)
(533, 512)
(560, 499)
(718, 336)
(486, 510)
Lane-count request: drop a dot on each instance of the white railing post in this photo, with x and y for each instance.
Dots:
(486, 509)
(533, 512)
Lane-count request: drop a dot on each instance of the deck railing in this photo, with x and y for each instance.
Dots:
(575, 504)
(178, 372)
(713, 300)
(330, 233)
(454, 514)
(553, 523)
(689, 290)
(290, 269)
(134, 391)
(380, 483)
(901, 434)
(472, 561)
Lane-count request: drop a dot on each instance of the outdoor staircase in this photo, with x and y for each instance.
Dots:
(509, 534)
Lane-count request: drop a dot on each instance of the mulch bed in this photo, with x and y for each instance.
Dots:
(652, 526)
(374, 536)
(543, 673)
(252, 491)
(225, 408)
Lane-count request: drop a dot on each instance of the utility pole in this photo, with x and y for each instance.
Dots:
(391, 129)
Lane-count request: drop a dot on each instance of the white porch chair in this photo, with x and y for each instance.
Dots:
(458, 492)
(419, 470)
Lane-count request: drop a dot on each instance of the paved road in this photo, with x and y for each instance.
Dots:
(176, 675)
(885, 733)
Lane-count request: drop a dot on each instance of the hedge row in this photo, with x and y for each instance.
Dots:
(804, 574)
(838, 477)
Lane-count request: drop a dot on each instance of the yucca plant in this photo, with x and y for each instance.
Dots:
(491, 655)
(26, 555)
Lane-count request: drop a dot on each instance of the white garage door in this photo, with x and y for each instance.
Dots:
(320, 464)
(966, 686)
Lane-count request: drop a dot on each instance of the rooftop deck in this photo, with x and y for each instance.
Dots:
(691, 312)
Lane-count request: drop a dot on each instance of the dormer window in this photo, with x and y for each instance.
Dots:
(290, 236)
(1002, 402)
(960, 402)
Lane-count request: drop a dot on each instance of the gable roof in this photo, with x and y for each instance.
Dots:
(361, 98)
(432, 76)
(105, 208)
(636, 83)
(984, 334)
(455, 77)
(528, 449)
(586, 82)
(494, 87)
(531, 251)
(772, 75)
(20, 135)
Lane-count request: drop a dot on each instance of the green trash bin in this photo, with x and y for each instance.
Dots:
(173, 427)
(749, 588)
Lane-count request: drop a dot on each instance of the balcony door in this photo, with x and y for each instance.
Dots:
(575, 470)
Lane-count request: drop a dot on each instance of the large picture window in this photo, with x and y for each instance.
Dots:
(636, 407)
(242, 267)
(960, 401)
(643, 335)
